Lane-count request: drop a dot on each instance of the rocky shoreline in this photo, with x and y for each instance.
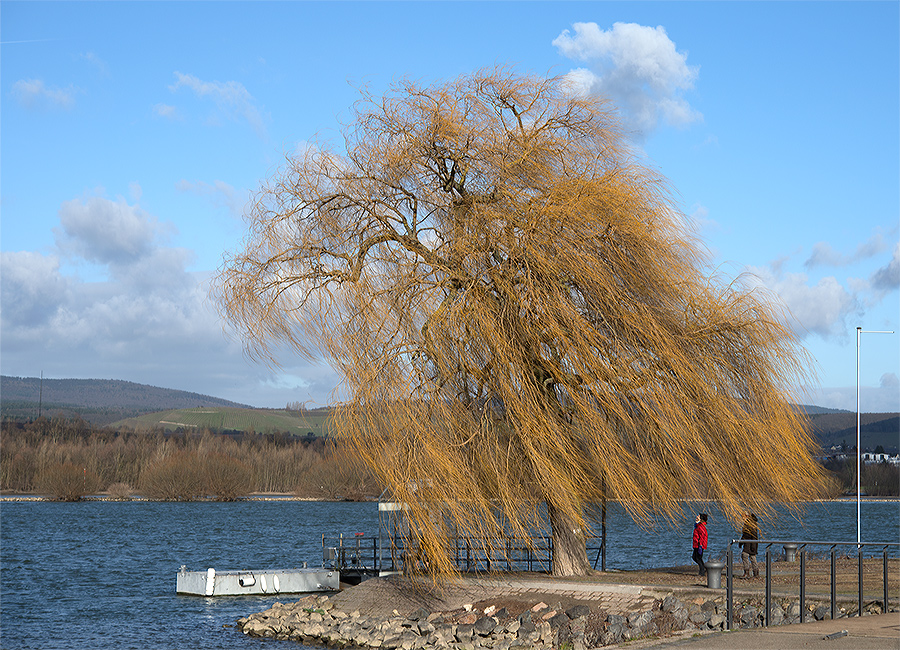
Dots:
(512, 624)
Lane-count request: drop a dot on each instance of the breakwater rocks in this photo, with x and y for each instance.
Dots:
(316, 620)
(367, 616)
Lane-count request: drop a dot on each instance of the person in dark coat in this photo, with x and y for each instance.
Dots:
(749, 548)
(700, 541)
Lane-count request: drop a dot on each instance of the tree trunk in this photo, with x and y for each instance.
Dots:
(569, 551)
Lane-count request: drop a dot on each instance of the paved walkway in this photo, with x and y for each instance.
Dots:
(879, 632)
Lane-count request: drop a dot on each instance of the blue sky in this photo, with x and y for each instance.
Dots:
(133, 134)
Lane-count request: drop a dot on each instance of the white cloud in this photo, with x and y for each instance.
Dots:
(34, 94)
(31, 287)
(231, 97)
(824, 255)
(97, 62)
(699, 216)
(580, 81)
(779, 265)
(887, 278)
(710, 141)
(288, 381)
(638, 67)
(166, 111)
(162, 266)
(820, 309)
(873, 399)
(221, 193)
(104, 231)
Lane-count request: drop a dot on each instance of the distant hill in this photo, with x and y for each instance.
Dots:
(108, 401)
(816, 410)
(98, 401)
(874, 429)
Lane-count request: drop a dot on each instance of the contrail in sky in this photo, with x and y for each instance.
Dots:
(34, 40)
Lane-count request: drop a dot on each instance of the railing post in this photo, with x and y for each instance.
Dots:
(379, 550)
(859, 611)
(550, 549)
(729, 587)
(885, 608)
(833, 585)
(768, 584)
(803, 583)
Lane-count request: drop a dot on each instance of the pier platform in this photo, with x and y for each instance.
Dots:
(245, 583)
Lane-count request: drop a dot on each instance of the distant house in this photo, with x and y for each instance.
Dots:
(870, 458)
(835, 453)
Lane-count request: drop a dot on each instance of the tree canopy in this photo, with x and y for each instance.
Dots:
(520, 317)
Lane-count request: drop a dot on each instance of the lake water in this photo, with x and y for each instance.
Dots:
(101, 575)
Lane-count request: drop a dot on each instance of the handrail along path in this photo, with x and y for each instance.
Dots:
(802, 546)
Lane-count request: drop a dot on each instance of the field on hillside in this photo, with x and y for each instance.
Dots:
(223, 418)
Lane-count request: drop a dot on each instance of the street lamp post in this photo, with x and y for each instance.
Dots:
(859, 331)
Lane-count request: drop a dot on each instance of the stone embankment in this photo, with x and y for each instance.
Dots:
(315, 620)
(509, 623)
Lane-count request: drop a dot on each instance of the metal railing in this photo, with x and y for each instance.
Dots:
(801, 546)
(373, 555)
(355, 553)
(511, 553)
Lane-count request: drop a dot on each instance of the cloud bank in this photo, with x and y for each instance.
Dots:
(821, 308)
(830, 308)
(148, 320)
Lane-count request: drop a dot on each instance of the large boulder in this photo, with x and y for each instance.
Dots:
(577, 611)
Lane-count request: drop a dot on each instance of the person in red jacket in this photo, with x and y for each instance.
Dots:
(700, 541)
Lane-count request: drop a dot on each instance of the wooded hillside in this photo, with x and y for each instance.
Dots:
(98, 401)
(840, 428)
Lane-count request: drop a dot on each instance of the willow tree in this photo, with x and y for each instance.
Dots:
(523, 326)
